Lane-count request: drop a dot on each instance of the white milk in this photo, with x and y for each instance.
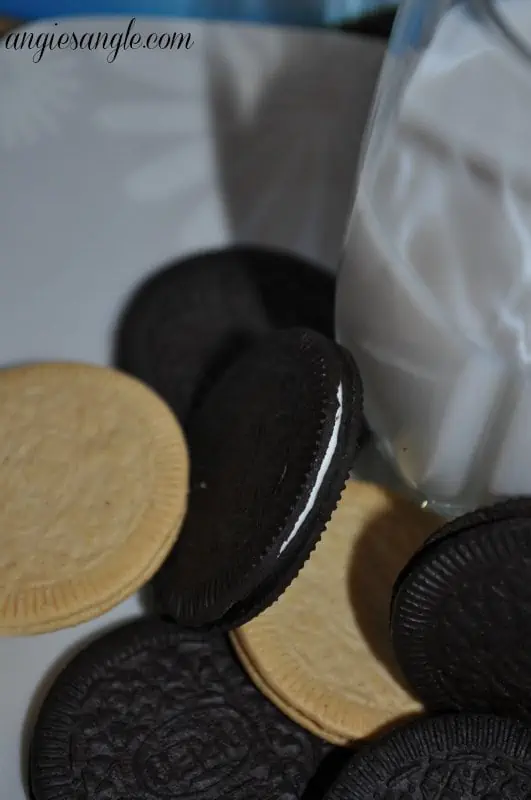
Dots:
(434, 294)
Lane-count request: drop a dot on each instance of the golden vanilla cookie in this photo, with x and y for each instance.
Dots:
(322, 652)
(93, 490)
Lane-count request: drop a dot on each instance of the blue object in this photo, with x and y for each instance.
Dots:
(340, 10)
(409, 27)
(308, 13)
(297, 12)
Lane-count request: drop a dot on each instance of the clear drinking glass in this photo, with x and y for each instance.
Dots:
(434, 289)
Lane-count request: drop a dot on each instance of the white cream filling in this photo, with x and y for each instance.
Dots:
(323, 469)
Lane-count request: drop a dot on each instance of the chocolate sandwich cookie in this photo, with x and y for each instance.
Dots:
(150, 711)
(93, 490)
(190, 321)
(271, 449)
(461, 613)
(462, 756)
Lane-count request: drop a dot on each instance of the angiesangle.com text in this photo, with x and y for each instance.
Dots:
(115, 43)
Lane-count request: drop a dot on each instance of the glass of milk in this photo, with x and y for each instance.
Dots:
(434, 289)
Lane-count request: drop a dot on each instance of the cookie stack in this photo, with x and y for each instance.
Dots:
(268, 656)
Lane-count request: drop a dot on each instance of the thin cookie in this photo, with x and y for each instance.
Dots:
(189, 322)
(461, 613)
(93, 490)
(466, 756)
(322, 652)
(151, 711)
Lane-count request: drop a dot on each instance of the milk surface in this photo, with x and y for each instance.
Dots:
(434, 293)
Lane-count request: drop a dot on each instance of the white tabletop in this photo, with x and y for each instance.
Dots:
(109, 170)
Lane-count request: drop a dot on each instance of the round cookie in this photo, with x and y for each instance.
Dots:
(93, 488)
(191, 320)
(451, 756)
(322, 652)
(271, 448)
(461, 613)
(152, 711)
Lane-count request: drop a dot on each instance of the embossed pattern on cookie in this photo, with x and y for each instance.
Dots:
(461, 613)
(151, 711)
(450, 757)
